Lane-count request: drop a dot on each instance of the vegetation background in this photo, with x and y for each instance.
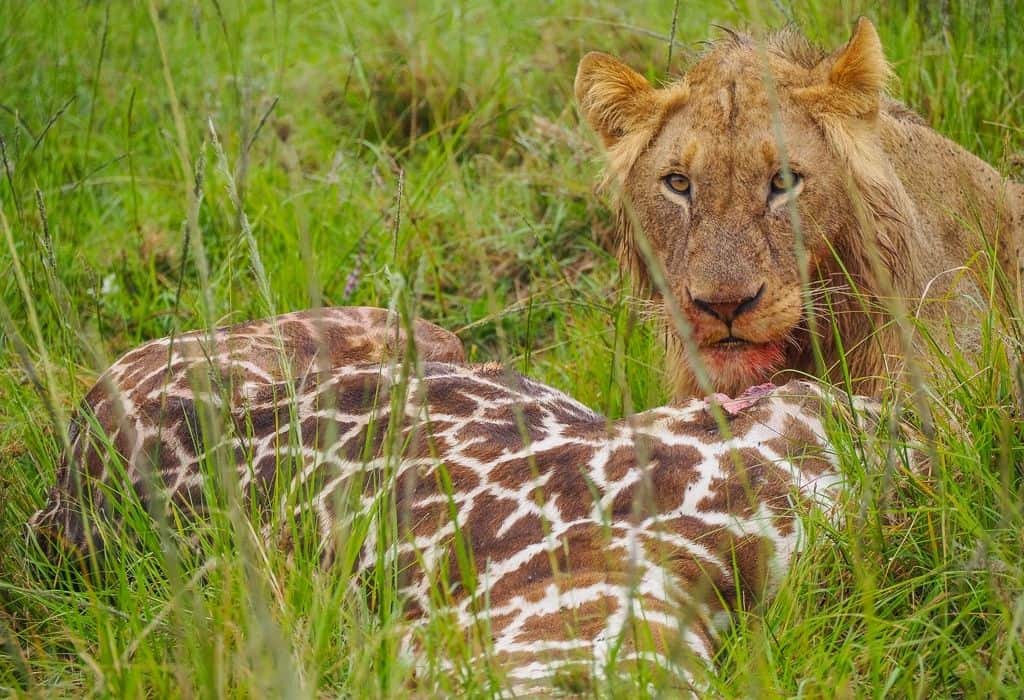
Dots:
(432, 150)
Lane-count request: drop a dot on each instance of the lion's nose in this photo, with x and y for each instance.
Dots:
(728, 310)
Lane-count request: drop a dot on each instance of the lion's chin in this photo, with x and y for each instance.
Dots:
(736, 366)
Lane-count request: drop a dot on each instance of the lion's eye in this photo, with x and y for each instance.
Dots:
(680, 184)
(778, 183)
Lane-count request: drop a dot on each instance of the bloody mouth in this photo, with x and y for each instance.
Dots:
(742, 355)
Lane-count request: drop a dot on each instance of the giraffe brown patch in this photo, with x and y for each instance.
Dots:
(650, 605)
(512, 473)
(651, 637)
(741, 568)
(491, 393)
(499, 622)
(490, 440)
(90, 461)
(96, 399)
(124, 441)
(266, 419)
(697, 530)
(619, 462)
(489, 513)
(449, 393)
(585, 547)
(191, 500)
(463, 478)
(747, 419)
(435, 427)
(323, 432)
(415, 484)
(437, 345)
(748, 480)
(343, 347)
(525, 529)
(426, 519)
(797, 432)
(367, 444)
(750, 555)
(148, 364)
(622, 504)
(810, 457)
(157, 454)
(587, 430)
(136, 357)
(589, 619)
(515, 425)
(433, 370)
(737, 426)
(154, 383)
(581, 418)
(702, 578)
(528, 580)
(261, 394)
(423, 440)
(568, 483)
(360, 395)
(580, 622)
(671, 474)
(265, 470)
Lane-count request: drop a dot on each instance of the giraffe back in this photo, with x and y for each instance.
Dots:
(592, 541)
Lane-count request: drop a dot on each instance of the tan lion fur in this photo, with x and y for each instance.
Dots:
(888, 207)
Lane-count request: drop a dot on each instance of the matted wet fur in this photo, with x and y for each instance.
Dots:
(767, 147)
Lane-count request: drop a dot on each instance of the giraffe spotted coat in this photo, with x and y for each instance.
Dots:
(594, 542)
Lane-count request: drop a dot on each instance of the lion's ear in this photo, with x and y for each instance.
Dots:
(613, 98)
(850, 82)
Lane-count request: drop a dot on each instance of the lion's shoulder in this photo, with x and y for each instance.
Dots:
(902, 113)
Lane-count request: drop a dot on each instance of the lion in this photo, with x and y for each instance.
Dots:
(775, 193)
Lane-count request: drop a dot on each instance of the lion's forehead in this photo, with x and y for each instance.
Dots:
(724, 135)
(738, 109)
(730, 100)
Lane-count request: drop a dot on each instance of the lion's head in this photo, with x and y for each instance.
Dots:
(741, 180)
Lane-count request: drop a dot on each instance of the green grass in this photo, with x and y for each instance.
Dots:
(327, 112)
